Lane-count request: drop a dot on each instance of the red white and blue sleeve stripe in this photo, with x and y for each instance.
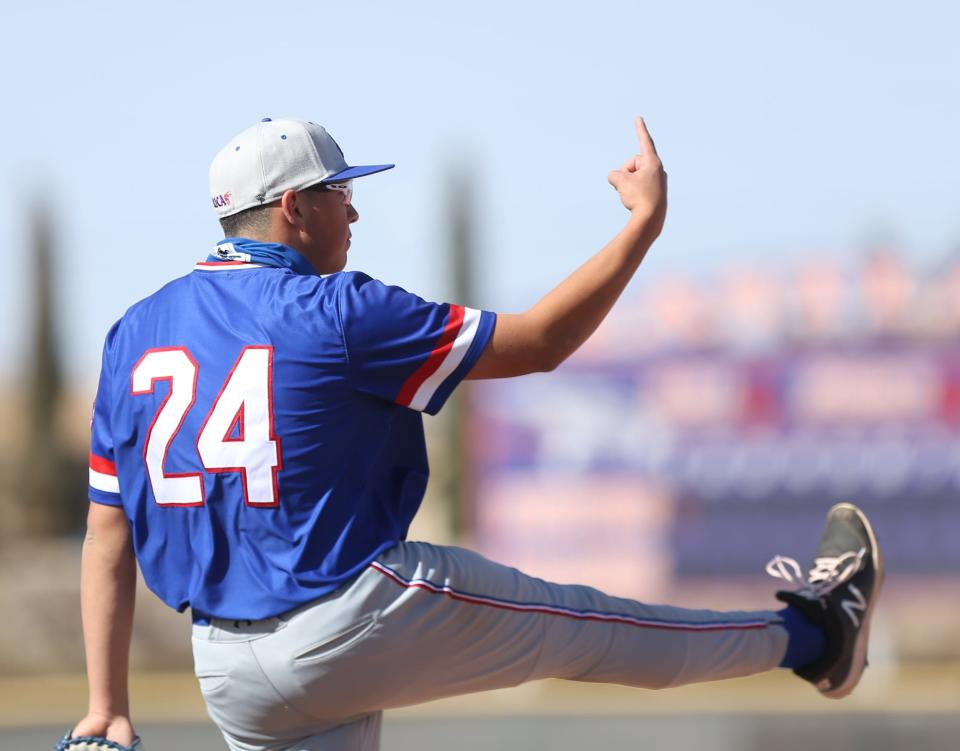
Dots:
(454, 348)
(104, 483)
(405, 349)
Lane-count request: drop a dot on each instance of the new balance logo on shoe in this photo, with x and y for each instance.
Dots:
(849, 606)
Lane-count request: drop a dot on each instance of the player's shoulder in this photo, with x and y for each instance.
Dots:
(354, 280)
(138, 307)
(363, 287)
(171, 292)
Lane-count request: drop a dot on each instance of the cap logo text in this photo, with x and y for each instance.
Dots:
(222, 200)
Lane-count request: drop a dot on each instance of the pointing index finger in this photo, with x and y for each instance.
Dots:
(646, 142)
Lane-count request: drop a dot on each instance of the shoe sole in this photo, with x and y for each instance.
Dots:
(863, 637)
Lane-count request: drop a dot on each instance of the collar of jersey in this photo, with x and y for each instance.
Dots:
(234, 249)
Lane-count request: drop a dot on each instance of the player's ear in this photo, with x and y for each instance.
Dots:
(290, 206)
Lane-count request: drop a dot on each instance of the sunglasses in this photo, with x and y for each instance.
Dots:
(346, 188)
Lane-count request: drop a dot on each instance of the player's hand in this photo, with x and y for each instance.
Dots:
(641, 181)
(116, 728)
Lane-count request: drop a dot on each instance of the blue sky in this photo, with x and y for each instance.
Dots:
(787, 129)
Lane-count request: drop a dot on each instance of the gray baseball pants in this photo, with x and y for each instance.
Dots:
(423, 622)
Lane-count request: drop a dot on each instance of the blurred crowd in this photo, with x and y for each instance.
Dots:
(813, 301)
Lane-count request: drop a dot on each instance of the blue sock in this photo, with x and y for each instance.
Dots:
(806, 640)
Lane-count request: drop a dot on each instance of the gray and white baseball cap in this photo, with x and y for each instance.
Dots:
(274, 156)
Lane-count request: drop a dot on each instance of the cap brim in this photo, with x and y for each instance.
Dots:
(359, 171)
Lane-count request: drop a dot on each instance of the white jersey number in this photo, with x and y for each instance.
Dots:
(244, 404)
(236, 436)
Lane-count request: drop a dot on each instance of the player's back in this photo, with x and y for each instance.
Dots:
(253, 472)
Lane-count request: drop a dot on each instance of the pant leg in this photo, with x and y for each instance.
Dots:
(436, 621)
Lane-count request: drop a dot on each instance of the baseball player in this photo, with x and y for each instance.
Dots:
(257, 447)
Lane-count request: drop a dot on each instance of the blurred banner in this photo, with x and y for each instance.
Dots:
(704, 431)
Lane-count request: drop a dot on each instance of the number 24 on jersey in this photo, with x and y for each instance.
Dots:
(243, 407)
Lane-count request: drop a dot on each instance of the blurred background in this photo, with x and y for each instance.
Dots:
(793, 338)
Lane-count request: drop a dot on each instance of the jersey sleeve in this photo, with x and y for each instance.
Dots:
(405, 349)
(104, 483)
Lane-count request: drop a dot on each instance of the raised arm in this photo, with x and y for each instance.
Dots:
(552, 330)
(107, 588)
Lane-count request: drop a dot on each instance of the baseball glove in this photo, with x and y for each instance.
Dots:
(94, 743)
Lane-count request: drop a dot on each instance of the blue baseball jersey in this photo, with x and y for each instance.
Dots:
(261, 425)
